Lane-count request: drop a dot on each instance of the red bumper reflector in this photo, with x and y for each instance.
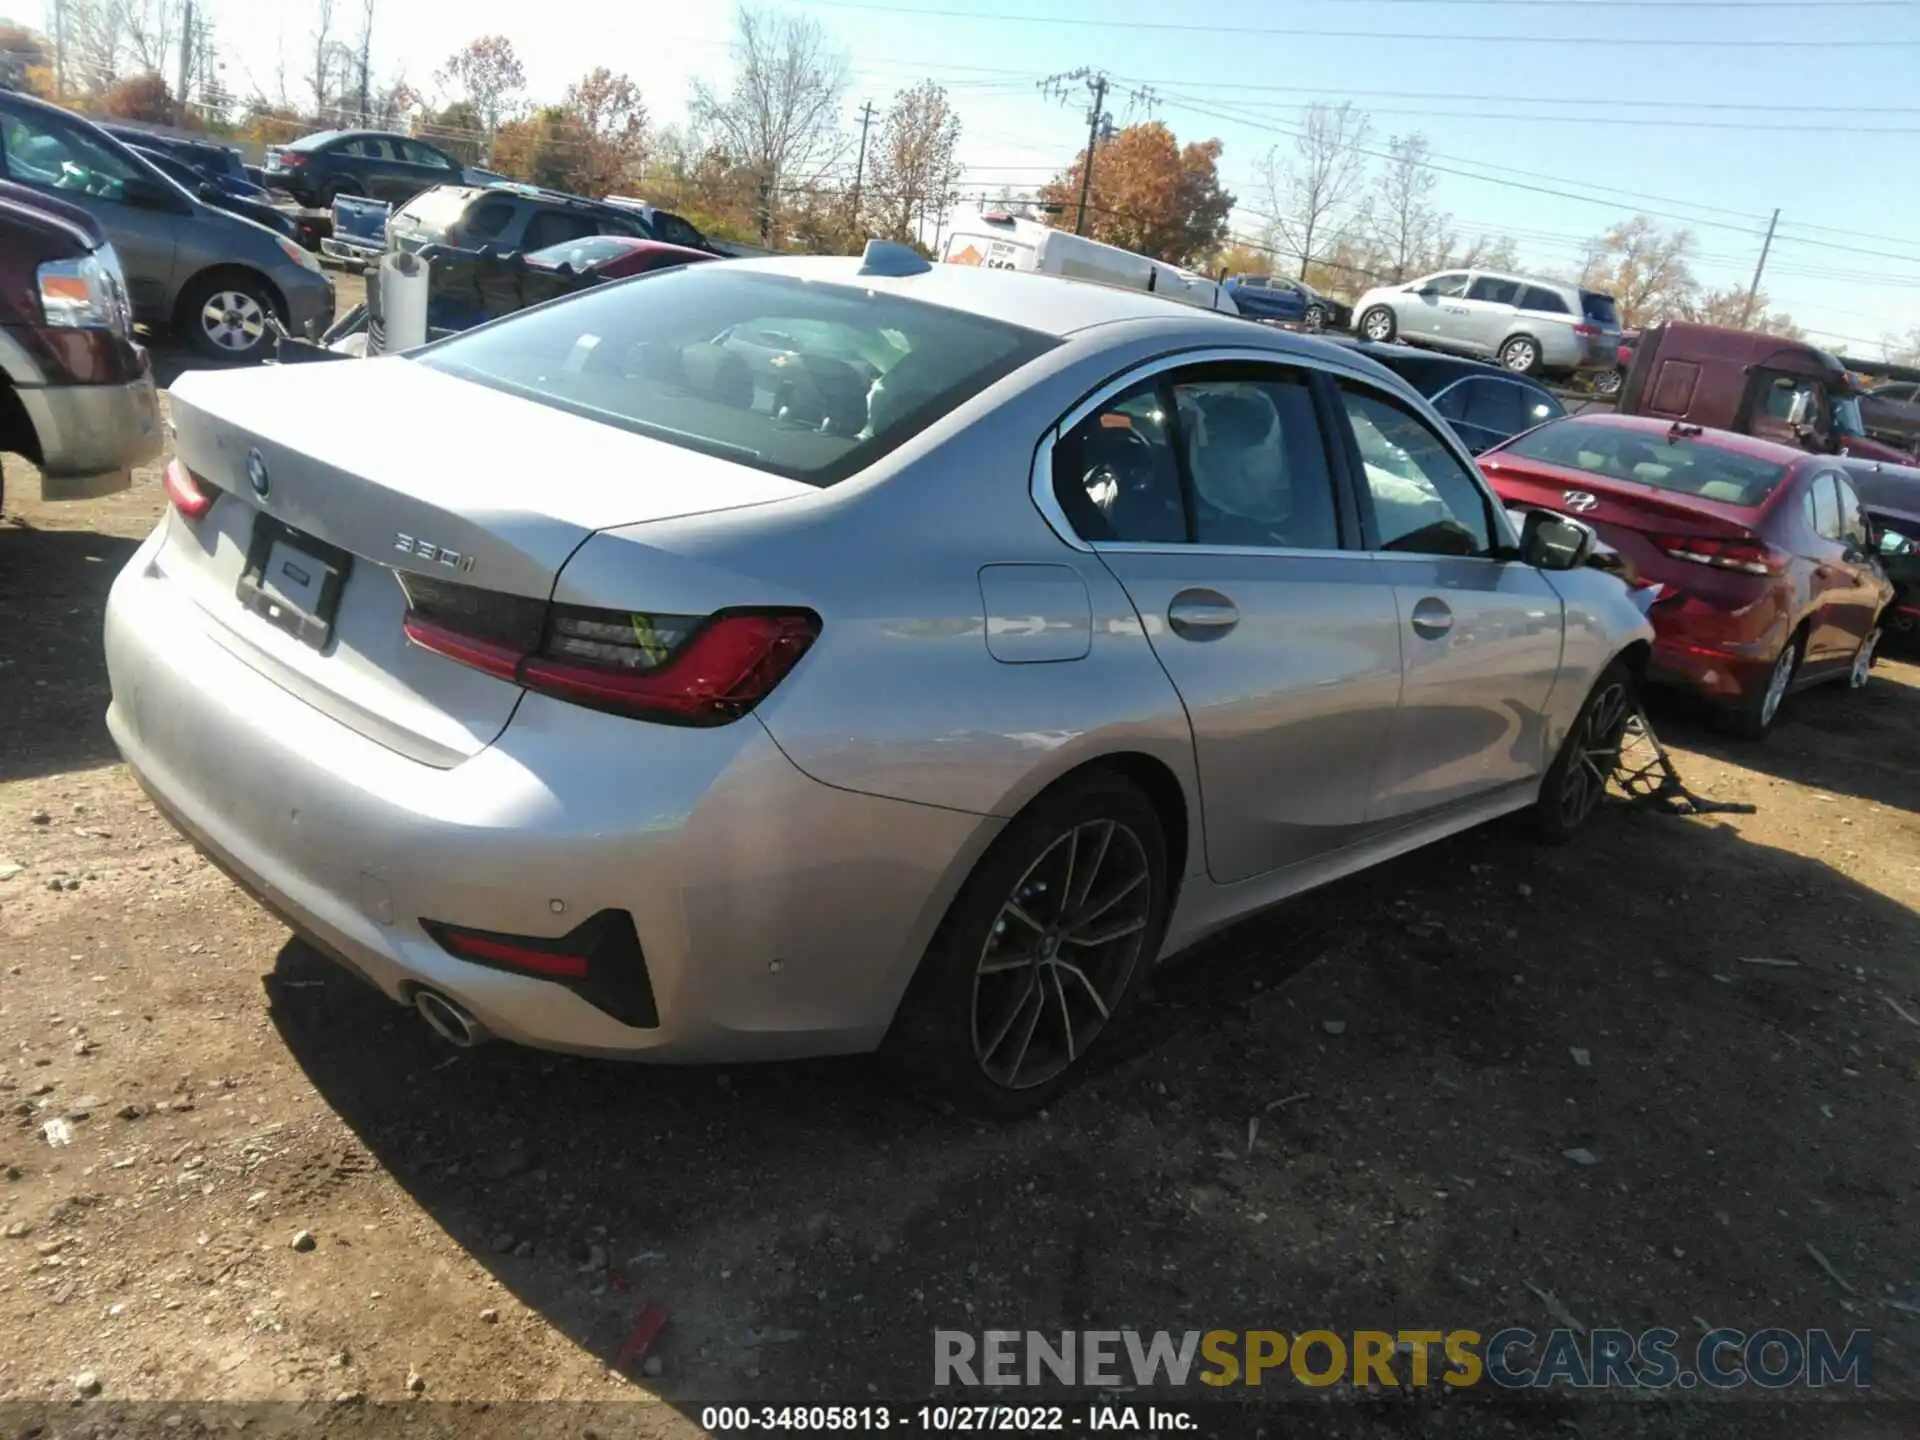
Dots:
(519, 957)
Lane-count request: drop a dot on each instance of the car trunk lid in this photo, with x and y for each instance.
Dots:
(333, 481)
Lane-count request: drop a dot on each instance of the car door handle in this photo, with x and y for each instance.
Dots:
(1201, 615)
(1432, 619)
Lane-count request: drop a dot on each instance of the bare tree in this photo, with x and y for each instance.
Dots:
(151, 27)
(320, 77)
(366, 58)
(487, 75)
(1401, 219)
(914, 160)
(781, 116)
(1312, 192)
(97, 43)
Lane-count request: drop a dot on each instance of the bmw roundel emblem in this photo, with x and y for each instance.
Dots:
(257, 473)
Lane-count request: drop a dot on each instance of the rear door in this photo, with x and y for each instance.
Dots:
(1490, 305)
(1207, 490)
(379, 168)
(1481, 636)
(1833, 583)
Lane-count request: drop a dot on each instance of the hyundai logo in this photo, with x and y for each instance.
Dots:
(1579, 500)
(257, 473)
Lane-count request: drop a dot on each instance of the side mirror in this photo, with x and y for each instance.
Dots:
(209, 192)
(1801, 412)
(1553, 542)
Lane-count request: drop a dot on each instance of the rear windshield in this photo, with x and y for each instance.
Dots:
(807, 380)
(580, 254)
(1599, 308)
(315, 141)
(1683, 466)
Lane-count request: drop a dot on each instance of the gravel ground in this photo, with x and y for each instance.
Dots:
(1354, 1113)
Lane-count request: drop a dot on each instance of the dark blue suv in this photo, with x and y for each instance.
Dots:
(1265, 297)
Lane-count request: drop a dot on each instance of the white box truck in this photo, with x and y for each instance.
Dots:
(999, 241)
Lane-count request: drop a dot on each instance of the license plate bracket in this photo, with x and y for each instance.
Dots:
(293, 580)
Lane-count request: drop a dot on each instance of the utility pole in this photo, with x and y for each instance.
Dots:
(1753, 290)
(186, 67)
(366, 59)
(860, 166)
(59, 49)
(1099, 121)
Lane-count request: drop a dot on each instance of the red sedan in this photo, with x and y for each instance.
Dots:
(1766, 567)
(613, 257)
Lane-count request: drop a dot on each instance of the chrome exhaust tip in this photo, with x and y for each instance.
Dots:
(450, 1020)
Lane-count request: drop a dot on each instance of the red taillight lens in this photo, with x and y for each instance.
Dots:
(190, 495)
(289, 160)
(1588, 330)
(1751, 557)
(679, 669)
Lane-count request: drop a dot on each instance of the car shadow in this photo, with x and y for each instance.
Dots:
(1855, 743)
(53, 588)
(1634, 1074)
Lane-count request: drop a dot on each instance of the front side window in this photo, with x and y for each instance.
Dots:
(370, 147)
(1494, 290)
(1847, 420)
(676, 231)
(1451, 286)
(1117, 474)
(1424, 501)
(62, 157)
(1782, 390)
(668, 359)
(417, 154)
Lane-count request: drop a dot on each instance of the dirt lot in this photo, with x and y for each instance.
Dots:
(1420, 1048)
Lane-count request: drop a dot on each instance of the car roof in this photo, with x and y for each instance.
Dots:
(1734, 443)
(1044, 303)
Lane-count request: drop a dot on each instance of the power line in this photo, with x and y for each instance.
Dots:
(1655, 121)
(1427, 37)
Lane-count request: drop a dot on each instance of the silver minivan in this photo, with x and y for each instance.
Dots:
(1530, 325)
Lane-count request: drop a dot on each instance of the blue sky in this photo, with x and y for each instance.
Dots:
(1561, 116)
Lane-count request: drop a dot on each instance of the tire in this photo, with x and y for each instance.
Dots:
(1608, 383)
(1379, 325)
(1863, 659)
(1316, 318)
(1754, 716)
(995, 1040)
(1521, 354)
(238, 331)
(1575, 784)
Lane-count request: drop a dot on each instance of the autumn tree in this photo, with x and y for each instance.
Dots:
(1401, 219)
(1483, 251)
(1729, 306)
(606, 122)
(455, 129)
(913, 162)
(1313, 192)
(780, 117)
(1647, 270)
(139, 97)
(537, 148)
(1151, 195)
(487, 75)
(23, 52)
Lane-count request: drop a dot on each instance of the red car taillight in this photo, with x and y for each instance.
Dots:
(1588, 330)
(190, 495)
(1751, 557)
(678, 669)
(289, 160)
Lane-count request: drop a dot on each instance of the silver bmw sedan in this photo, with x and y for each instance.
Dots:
(794, 657)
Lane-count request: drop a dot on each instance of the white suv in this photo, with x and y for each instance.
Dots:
(1529, 325)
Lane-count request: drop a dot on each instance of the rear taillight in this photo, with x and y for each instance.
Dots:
(678, 669)
(289, 160)
(1587, 330)
(1748, 556)
(190, 495)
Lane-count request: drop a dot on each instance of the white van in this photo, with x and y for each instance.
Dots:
(1000, 241)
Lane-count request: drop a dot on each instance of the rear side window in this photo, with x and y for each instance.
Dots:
(1535, 297)
(1494, 290)
(370, 147)
(556, 227)
(1685, 467)
(487, 219)
(808, 380)
(1599, 309)
(675, 231)
(1117, 474)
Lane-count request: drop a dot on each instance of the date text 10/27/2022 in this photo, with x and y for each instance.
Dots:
(960, 1419)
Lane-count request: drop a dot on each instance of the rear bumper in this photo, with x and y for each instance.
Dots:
(91, 436)
(777, 916)
(1698, 655)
